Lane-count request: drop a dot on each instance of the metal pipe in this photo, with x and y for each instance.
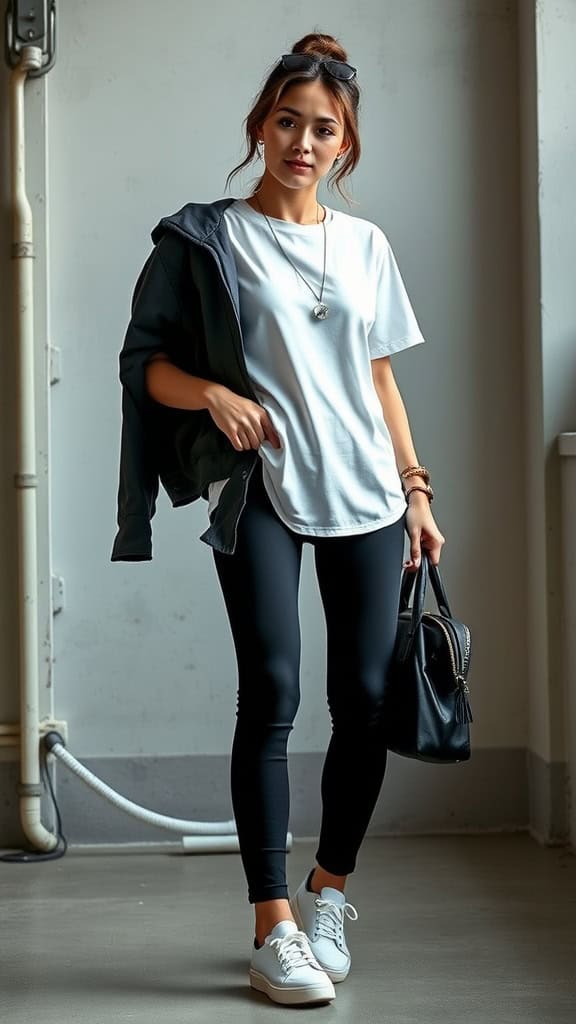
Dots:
(25, 480)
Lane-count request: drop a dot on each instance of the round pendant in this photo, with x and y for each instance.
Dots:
(320, 311)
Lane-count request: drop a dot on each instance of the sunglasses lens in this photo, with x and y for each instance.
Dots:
(340, 70)
(297, 61)
(304, 61)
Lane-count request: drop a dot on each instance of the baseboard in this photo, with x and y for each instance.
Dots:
(497, 790)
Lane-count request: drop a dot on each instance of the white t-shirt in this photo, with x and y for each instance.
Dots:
(335, 472)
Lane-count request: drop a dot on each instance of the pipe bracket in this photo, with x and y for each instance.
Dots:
(25, 480)
(23, 251)
(30, 789)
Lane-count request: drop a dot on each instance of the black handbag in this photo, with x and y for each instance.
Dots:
(427, 711)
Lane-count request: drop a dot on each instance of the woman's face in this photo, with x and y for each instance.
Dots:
(310, 130)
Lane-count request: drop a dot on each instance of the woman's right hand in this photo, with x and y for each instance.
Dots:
(245, 423)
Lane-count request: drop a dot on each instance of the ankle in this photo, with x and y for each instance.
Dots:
(318, 878)
(268, 914)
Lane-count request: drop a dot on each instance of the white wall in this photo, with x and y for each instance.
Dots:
(144, 114)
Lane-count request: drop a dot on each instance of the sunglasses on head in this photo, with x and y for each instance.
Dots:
(305, 61)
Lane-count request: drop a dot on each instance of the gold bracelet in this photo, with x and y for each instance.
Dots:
(415, 471)
(427, 490)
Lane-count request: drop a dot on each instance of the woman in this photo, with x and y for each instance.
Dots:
(322, 308)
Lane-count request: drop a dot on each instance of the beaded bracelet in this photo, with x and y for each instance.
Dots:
(415, 471)
(427, 491)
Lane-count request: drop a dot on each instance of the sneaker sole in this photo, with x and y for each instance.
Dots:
(304, 994)
(335, 976)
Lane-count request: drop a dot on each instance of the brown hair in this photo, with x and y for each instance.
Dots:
(346, 94)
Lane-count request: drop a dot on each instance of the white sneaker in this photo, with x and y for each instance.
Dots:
(286, 970)
(321, 917)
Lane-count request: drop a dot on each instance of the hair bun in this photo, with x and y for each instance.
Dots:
(319, 45)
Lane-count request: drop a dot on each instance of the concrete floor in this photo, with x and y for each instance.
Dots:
(473, 930)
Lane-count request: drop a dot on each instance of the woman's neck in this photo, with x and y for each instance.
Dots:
(299, 207)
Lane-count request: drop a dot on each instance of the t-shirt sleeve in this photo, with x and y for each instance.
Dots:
(395, 326)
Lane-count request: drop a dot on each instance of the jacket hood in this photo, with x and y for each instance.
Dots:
(197, 221)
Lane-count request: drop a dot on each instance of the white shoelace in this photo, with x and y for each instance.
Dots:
(330, 916)
(294, 951)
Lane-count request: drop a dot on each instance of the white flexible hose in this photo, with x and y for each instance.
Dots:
(206, 828)
(219, 829)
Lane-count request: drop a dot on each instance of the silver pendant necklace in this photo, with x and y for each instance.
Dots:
(320, 310)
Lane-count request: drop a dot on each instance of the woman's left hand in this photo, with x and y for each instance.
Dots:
(423, 533)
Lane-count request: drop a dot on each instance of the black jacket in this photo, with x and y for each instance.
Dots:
(186, 304)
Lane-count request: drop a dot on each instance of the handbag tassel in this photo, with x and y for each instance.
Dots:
(463, 709)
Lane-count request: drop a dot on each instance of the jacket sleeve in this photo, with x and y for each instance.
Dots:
(155, 316)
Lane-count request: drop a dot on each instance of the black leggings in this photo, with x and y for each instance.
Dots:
(359, 580)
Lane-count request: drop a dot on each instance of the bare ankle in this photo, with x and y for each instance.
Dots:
(268, 914)
(319, 878)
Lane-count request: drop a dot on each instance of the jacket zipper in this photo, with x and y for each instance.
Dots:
(245, 499)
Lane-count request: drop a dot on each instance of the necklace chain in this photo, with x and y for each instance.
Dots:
(320, 311)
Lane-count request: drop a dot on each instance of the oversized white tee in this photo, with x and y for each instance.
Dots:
(335, 472)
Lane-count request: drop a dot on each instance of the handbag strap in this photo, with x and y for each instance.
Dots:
(408, 580)
(426, 571)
